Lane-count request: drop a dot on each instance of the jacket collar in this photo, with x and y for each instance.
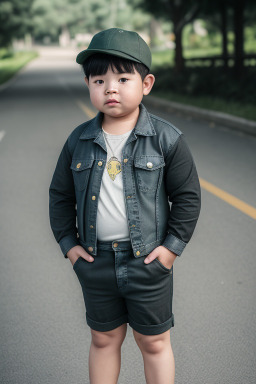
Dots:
(143, 127)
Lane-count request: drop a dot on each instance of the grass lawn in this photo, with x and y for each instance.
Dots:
(10, 63)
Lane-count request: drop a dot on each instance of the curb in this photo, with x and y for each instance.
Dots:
(236, 123)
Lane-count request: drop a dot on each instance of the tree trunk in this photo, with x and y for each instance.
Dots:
(177, 17)
(179, 60)
(223, 12)
(239, 36)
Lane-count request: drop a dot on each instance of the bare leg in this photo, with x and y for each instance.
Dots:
(158, 357)
(105, 355)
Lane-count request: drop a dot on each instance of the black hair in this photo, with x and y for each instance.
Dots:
(99, 63)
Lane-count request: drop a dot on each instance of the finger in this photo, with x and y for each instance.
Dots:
(150, 258)
(87, 257)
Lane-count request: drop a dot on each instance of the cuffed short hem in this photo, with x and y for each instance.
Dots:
(152, 329)
(109, 326)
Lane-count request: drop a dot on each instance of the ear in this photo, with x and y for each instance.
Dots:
(86, 81)
(148, 83)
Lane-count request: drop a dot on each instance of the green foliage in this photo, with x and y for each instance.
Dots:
(162, 58)
(11, 62)
(80, 16)
(5, 53)
(249, 39)
(15, 20)
(203, 81)
(164, 8)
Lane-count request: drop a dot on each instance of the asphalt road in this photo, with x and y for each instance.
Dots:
(44, 336)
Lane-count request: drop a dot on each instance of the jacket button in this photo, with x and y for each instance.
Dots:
(149, 165)
(100, 163)
(93, 197)
(125, 160)
(138, 253)
(90, 249)
(115, 245)
(91, 226)
(78, 165)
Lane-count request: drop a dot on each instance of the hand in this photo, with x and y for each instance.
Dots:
(74, 253)
(164, 255)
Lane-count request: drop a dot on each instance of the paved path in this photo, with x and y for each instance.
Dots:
(44, 337)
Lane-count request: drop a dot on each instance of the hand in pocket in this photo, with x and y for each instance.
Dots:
(74, 253)
(164, 255)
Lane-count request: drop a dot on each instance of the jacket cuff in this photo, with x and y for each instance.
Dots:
(174, 244)
(68, 242)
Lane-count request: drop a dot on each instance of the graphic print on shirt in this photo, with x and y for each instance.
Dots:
(113, 167)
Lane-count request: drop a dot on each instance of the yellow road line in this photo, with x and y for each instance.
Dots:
(88, 111)
(230, 199)
(227, 197)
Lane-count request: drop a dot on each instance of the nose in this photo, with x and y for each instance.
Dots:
(111, 89)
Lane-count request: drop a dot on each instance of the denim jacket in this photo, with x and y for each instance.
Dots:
(160, 185)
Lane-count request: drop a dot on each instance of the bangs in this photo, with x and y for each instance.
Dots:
(98, 64)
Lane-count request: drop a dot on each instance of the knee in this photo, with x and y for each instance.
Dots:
(151, 344)
(99, 339)
(152, 347)
(107, 339)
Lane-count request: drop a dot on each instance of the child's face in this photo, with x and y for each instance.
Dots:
(118, 94)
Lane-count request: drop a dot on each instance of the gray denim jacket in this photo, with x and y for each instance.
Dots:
(157, 169)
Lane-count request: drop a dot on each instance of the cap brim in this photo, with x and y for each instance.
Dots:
(82, 56)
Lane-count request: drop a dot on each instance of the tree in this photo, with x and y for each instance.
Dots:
(83, 16)
(239, 7)
(15, 20)
(244, 11)
(218, 15)
(179, 12)
(233, 15)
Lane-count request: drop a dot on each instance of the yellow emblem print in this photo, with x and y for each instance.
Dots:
(113, 167)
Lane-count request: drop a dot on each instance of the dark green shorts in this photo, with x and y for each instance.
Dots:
(119, 288)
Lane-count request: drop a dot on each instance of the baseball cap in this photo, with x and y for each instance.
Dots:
(118, 42)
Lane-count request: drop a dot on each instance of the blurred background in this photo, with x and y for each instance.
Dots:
(204, 52)
(204, 55)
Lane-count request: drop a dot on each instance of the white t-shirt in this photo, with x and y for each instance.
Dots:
(111, 216)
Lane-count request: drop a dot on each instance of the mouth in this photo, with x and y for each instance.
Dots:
(112, 102)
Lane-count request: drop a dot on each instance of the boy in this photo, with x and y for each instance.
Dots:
(109, 208)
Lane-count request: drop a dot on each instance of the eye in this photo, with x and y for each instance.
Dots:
(123, 80)
(99, 82)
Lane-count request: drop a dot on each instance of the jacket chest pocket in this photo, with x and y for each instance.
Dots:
(81, 170)
(147, 171)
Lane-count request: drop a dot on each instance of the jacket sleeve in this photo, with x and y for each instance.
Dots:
(62, 203)
(184, 193)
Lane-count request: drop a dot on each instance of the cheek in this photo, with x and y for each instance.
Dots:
(135, 96)
(95, 96)
(133, 93)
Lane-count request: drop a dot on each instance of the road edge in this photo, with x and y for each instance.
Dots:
(12, 80)
(230, 121)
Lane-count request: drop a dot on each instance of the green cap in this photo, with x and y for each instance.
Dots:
(118, 42)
